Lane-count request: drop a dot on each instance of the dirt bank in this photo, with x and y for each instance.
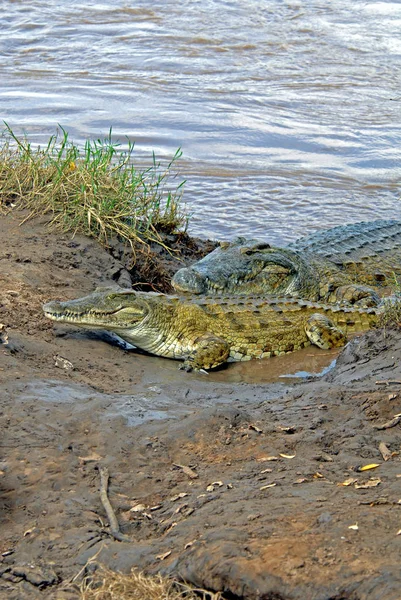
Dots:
(272, 502)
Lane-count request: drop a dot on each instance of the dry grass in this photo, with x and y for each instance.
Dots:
(391, 313)
(95, 190)
(108, 585)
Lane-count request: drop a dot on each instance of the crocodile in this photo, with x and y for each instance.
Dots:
(350, 263)
(207, 331)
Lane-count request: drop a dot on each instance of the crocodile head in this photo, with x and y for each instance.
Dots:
(106, 308)
(243, 266)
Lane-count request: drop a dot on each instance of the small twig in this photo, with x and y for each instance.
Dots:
(114, 526)
(388, 382)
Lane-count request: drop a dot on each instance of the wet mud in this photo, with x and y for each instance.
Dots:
(275, 488)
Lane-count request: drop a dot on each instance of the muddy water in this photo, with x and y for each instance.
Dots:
(152, 395)
(288, 112)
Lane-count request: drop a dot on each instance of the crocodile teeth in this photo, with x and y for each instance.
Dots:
(215, 286)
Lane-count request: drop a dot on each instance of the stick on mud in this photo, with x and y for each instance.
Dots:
(114, 526)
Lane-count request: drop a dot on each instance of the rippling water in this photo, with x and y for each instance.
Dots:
(287, 111)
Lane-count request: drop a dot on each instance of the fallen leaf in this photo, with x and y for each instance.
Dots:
(212, 486)
(398, 532)
(324, 457)
(266, 471)
(254, 516)
(288, 429)
(368, 484)
(187, 470)
(267, 458)
(347, 482)
(378, 502)
(180, 508)
(163, 556)
(62, 363)
(189, 544)
(301, 480)
(29, 531)
(269, 485)
(392, 423)
(171, 527)
(255, 428)
(3, 334)
(392, 396)
(90, 458)
(367, 467)
(178, 496)
(287, 455)
(318, 475)
(384, 451)
(138, 508)
(354, 527)
(156, 507)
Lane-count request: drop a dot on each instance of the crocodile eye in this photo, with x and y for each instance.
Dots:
(107, 288)
(261, 246)
(120, 295)
(254, 249)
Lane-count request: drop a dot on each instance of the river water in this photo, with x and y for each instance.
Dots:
(287, 111)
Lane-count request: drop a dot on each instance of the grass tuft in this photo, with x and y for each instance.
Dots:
(95, 190)
(108, 585)
(390, 316)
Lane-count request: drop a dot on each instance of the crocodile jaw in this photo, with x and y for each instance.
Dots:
(105, 309)
(91, 318)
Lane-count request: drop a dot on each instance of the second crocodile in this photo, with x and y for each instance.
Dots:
(344, 264)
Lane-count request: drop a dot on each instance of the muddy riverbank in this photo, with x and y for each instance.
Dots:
(251, 488)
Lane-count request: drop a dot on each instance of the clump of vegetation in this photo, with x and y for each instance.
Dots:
(391, 311)
(108, 585)
(96, 190)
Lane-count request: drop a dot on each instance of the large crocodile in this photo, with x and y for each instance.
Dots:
(348, 263)
(206, 331)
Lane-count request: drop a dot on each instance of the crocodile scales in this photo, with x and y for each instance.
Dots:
(206, 331)
(369, 251)
(349, 263)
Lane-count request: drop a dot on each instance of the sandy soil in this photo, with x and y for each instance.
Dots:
(234, 481)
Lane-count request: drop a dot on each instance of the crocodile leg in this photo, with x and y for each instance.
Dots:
(358, 295)
(210, 351)
(322, 332)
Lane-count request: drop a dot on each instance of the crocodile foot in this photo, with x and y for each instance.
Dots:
(322, 332)
(358, 295)
(210, 352)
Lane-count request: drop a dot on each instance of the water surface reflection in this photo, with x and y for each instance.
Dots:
(287, 112)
